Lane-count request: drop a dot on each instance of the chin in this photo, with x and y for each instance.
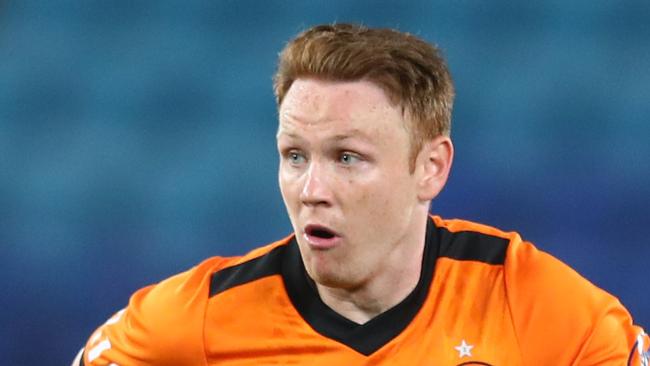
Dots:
(326, 279)
(334, 278)
(329, 269)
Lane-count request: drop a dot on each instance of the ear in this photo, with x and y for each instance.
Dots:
(433, 164)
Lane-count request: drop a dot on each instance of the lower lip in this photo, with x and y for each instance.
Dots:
(319, 243)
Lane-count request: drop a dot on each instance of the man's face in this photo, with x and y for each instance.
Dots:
(345, 180)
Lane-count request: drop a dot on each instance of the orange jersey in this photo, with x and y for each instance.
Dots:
(484, 297)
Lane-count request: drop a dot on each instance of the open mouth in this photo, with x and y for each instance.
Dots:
(321, 237)
(319, 232)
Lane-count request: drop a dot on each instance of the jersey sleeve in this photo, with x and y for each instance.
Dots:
(162, 325)
(560, 318)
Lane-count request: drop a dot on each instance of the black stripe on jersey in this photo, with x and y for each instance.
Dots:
(371, 336)
(266, 265)
(472, 246)
(364, 338)
(81, 360)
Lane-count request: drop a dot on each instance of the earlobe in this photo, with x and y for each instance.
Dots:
(435, 160)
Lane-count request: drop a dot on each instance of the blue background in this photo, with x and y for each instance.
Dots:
(137, 138)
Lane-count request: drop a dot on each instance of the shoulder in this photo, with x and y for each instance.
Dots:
(467, 240)
(527, 270)
(191, 288)
(260, 263)
(550, 300)
(163, 323)
(178, 302)
(558, 315)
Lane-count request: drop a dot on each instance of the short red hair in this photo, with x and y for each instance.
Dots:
(411, 72)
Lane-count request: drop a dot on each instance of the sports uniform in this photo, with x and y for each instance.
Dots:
(484, 297)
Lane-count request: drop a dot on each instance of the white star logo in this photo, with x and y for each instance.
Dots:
(464, 349)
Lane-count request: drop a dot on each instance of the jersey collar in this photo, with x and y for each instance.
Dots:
(374, 334)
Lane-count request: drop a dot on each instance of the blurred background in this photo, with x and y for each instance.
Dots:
(137, 138)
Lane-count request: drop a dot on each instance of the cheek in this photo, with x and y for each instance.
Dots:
(370, 201)
(390, 196)
(282, 184)
(287, 187)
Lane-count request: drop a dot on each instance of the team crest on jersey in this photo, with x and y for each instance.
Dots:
(464, 349)
(640, 355)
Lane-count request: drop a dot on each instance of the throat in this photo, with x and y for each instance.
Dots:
(368, 301)
(353, 307)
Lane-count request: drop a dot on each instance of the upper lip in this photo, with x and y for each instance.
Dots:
(311, 228)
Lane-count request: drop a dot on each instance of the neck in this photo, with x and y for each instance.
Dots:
(385, 288)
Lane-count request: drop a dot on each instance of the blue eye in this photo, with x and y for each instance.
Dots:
(296, 158)
(347, 158)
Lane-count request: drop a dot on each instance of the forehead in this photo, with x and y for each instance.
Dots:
(354, 105)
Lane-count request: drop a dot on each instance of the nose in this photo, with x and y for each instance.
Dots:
(315, 189)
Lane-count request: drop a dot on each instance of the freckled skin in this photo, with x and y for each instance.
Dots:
(371, 200)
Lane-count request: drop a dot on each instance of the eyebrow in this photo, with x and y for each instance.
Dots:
(354, 133)
(288, 134)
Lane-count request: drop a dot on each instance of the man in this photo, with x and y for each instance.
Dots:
(368, 277)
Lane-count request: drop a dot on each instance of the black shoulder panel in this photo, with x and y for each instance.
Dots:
(473, 246)
(267, 265)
